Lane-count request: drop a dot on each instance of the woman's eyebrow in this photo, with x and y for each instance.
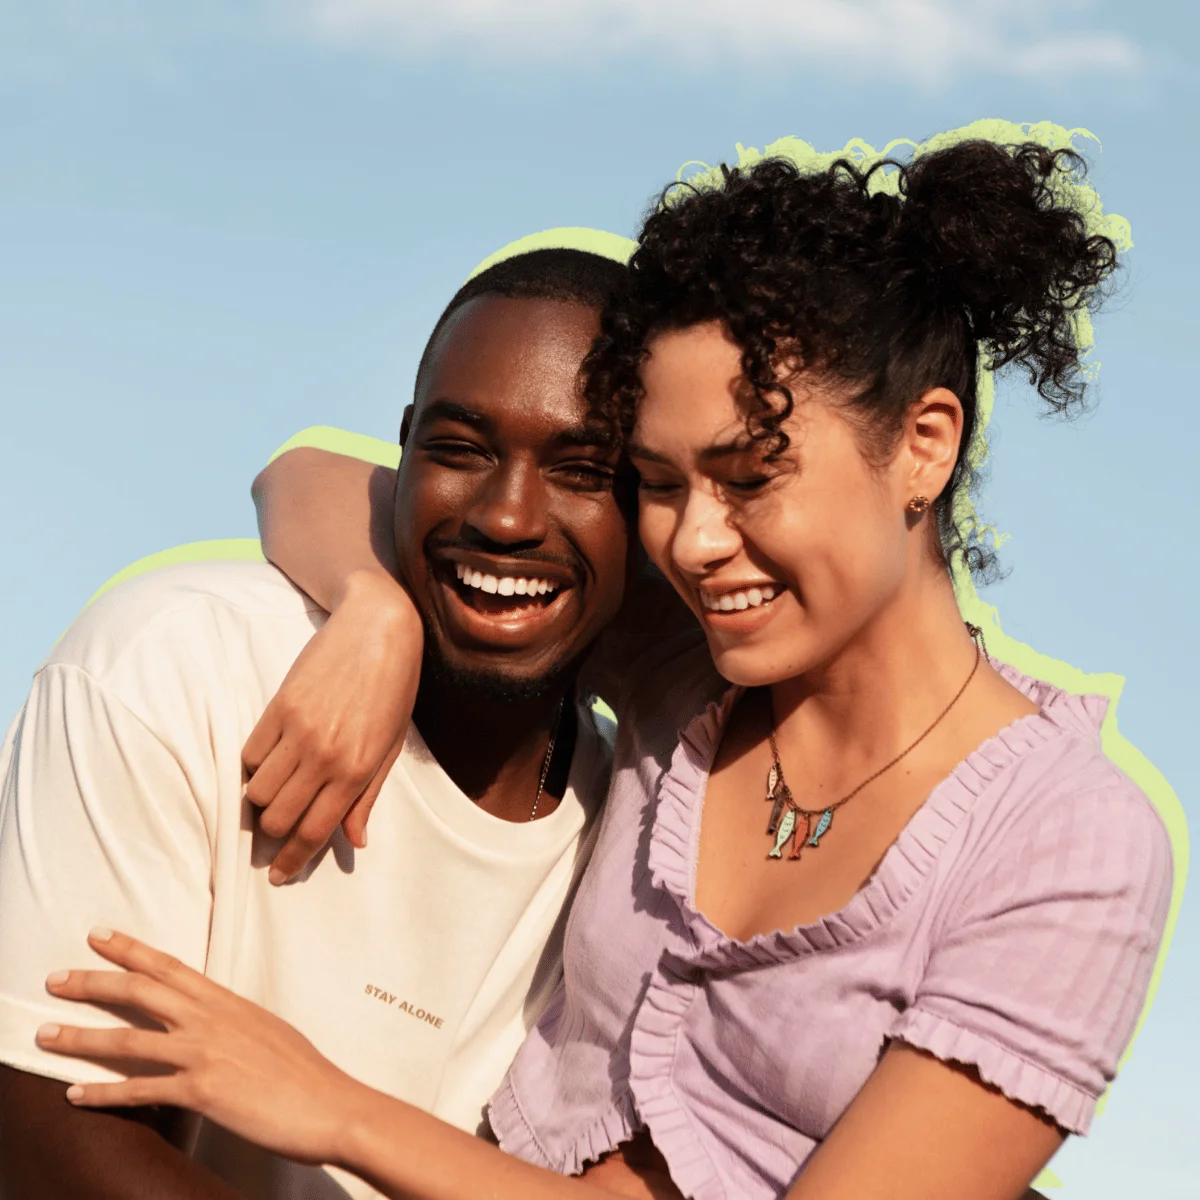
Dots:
(708, 454)
(633, 450)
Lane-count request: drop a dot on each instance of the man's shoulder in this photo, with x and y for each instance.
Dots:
(184, 605)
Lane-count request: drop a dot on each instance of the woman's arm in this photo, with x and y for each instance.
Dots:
(319, 754)
(326, 518)
(254, 1074)
(922, 1129)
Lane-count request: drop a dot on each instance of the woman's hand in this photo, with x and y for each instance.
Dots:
(232, 1061)
(327, 740)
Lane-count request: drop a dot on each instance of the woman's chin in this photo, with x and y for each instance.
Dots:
(756, 666)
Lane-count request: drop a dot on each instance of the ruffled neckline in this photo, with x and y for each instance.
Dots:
(674, 841)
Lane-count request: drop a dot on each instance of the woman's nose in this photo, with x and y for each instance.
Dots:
(705, 536)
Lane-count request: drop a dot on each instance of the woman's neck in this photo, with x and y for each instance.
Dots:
(883, 687)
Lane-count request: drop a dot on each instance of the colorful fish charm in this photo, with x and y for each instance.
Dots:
(776, 790)
(802, 824)
(786, 828)
(822, 827)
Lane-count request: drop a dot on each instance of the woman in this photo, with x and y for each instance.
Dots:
(880, 920)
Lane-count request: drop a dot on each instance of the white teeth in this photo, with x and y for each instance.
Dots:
(739, 601)
(503, 585)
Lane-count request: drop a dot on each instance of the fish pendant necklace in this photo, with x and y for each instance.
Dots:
(791, 823)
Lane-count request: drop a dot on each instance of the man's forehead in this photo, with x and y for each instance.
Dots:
(505, 331)
(567, 425)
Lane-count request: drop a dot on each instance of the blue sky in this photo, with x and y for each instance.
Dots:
(221, 222)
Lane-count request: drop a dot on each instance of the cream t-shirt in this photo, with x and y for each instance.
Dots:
(416, 965)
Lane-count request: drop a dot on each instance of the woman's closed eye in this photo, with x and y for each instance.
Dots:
(658, 487)
(748, 485)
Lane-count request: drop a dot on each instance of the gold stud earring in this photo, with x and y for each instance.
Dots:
(917, 505)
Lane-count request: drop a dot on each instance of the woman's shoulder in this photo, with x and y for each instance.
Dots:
(672, 685)
(1044, 791)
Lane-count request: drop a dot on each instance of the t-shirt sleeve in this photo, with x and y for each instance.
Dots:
(1040, 967)
(98, 826)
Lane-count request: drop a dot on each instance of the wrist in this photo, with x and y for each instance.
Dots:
(369, 1122)
(377, 591)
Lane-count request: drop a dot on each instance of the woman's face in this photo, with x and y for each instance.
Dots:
(784, 564)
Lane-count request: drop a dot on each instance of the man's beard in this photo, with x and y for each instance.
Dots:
(493, 686)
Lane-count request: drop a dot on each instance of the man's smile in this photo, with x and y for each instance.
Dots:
(505, 604)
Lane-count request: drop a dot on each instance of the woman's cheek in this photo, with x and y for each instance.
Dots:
(656, 522)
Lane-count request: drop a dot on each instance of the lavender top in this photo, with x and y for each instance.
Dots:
(1013, 925)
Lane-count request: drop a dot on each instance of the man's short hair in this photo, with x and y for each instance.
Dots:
(572, 276)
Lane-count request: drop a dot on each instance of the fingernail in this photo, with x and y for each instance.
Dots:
(100, 934)
(57, 977)
(275, 877)
(362, 840)
(47, 1033)
(75, 1091)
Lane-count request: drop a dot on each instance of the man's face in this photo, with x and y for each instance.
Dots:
(507, 527)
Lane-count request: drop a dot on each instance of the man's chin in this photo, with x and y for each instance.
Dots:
(493, 683)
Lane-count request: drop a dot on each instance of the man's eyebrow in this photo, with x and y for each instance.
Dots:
(449, 410)
(587, 437)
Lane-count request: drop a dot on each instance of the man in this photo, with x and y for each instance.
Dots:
(416, 967)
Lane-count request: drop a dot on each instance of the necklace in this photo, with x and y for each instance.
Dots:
(786, 814)
(547, 760)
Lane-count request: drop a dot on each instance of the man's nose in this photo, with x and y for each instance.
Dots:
(510, 506)
(705, 537)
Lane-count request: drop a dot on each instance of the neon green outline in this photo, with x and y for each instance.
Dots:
(565, 237)
(1032, 662)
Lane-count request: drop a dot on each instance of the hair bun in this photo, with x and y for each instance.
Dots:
(991, 229)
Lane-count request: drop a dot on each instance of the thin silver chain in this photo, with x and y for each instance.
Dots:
(547, 760)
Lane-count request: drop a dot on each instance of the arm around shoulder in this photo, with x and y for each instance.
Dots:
(325, 518)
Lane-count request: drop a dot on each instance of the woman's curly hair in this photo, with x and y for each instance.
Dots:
(978, 257)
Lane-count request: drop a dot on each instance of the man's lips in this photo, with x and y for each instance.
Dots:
(502, 604)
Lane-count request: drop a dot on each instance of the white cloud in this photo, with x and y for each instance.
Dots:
(919, 39)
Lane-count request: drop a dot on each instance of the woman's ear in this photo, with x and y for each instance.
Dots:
(932, 436)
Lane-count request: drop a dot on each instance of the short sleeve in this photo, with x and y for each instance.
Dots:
(98, 826)
(1039, 967)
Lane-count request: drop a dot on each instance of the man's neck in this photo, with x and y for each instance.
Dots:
(493, 749)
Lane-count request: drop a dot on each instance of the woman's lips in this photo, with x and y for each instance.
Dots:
(740, 612)
(740, 599)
